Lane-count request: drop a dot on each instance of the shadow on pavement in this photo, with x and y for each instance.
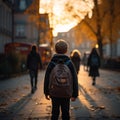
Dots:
(90, 109)
(13, 109)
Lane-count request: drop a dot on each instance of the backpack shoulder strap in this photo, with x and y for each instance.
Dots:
(53, 63)
(67, 62)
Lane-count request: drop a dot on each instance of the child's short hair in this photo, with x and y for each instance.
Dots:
(61, 46)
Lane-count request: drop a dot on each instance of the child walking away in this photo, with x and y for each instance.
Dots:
(94, 64)
(60, 82)
(76, 59)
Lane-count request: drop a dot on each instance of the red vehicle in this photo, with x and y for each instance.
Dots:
(23, 49)
(18, 52)
(16, 47)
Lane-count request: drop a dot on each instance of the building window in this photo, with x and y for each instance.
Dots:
(22, 5)
(20, 31)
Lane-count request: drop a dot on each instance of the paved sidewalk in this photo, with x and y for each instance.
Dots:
(100, 102)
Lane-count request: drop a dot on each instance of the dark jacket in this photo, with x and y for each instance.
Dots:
(93, 70)
(51, 65)
(76, 61)
(33, 61)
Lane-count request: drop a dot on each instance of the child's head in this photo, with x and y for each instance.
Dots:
(61, 46)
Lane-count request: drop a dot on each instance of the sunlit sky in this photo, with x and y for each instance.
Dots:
(60, 19)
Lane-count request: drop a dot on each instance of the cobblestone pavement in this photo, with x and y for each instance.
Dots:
(99, 102)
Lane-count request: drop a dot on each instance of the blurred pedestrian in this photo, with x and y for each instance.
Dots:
(33, 63)
(94, 64)
(85, 60)
(76, 59)
(58, 91)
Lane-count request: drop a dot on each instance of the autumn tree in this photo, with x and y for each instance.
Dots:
(111, 26)
(93, 25)
(104, 25)
(104, 22)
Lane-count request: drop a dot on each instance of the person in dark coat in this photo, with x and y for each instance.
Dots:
(58, 101)
(76, 59)
(94, 66)
(33, 63)
(85, 60)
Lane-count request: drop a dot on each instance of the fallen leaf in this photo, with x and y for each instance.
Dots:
(3, 104)
(102, 107)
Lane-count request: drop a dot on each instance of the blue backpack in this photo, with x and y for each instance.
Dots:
(94, 61)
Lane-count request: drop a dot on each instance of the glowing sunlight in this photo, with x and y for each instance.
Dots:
(65, 14)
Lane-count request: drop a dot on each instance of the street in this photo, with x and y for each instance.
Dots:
(99, 102)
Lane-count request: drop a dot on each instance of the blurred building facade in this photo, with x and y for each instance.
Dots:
(21, 22)
(74, 41)
(5, 23)
(25, 29)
